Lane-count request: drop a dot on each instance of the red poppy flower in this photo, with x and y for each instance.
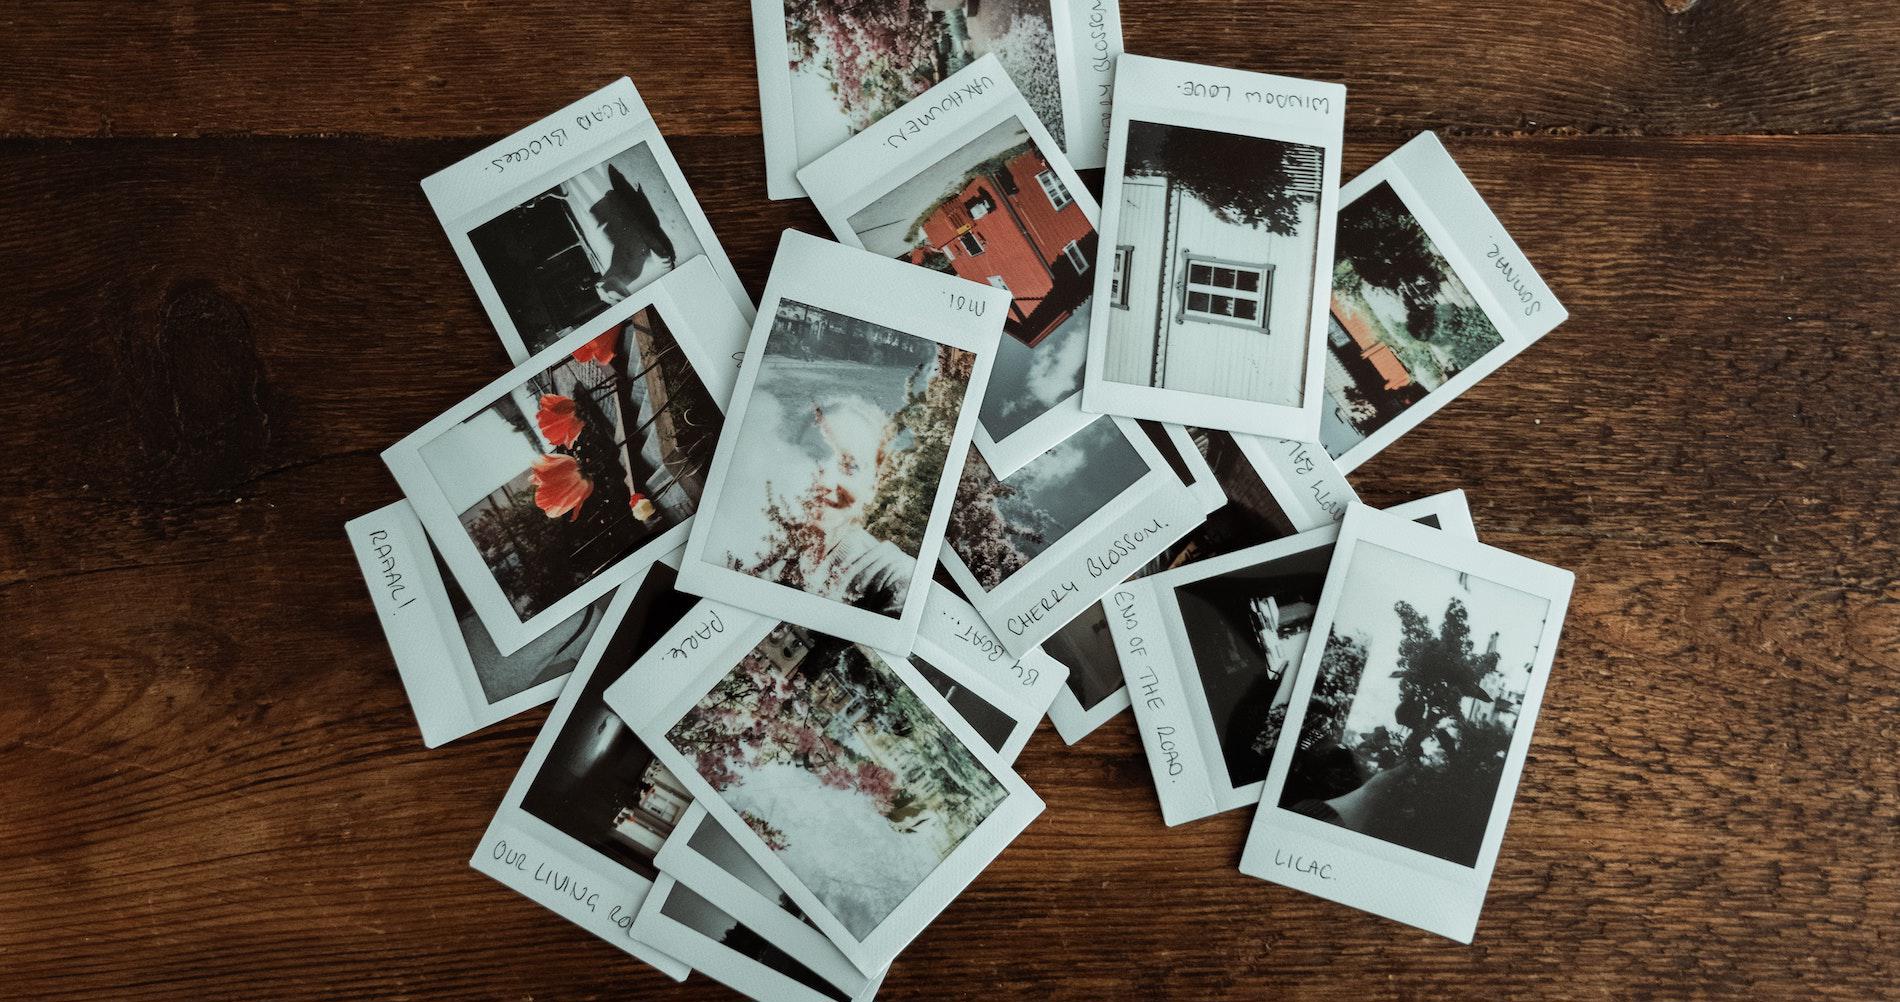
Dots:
(559, 424)
(559, 487)
(642, 508)
(600, 350)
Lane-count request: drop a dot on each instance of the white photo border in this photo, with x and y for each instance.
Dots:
(1361, 871)
(733, 969)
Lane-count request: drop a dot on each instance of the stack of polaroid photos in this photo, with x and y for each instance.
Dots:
(806, 577)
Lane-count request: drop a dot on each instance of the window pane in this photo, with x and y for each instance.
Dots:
(1224, 305)
(1246, 309)
(1197, 301)
(1249, 281)
(1200, 274)
(1224, 277)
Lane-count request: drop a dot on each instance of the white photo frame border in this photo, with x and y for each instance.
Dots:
(1376, 876)
(880, 160)
(464, 196)
(702, 332)
(1141, 83)
(890, 294)
(1427, 180)
(1096, 26)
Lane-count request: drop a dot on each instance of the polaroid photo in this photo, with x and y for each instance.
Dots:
(1000, 695)
(563, 478)
(841, 771)
(584, 819)
(457, 680)
(1412, 721)
(830, 69)
(1033, 549)
(1430, 295)
(677, 919)
(1096, 26)
(964, 180)
(1220, 192)
(833, 480)
(578, 212)
(1206, 649)
(1095, 691)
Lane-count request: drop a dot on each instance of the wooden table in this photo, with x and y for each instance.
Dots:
(223, 294)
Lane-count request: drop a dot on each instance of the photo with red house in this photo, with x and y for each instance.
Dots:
(995, 211)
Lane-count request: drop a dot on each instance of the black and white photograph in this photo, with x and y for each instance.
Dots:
(678, 919)
(1405, 332)
(1415, 704)
(994, 725)
(1214, 233)
(832, 483)
(591, 806)
(1212, 648)
(1003, 210)
(597, 784)
(594, 454)
(457, 679)
(1094, 691)
(560, 221)
(1246, 629)
(563, 255)
(999, 526)
(1411, 720)
(1252, 513)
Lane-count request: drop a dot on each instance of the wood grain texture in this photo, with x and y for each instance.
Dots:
(452, 69)
(213, 787)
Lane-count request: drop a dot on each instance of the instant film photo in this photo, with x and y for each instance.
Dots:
(1217, 224)
(562, 220)
(830, 69)
(841, 771)
(966, 181)
(1209, 649)
(568, 475)
(1097, 28)
(832, 482)
(1034, 549)
(581, 824)
(1408, 723)
(457, 680)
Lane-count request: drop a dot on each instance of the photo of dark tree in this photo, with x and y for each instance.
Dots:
(1411, 716)
(1402, 322)
(1248, 180)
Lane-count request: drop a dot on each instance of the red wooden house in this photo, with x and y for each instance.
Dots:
(1016, 227)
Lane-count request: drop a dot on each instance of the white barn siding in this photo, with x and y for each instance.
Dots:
(1131, 337)
(1262, 365)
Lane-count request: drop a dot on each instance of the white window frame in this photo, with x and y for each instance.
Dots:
(1077, 260)
(999, 282)
(1053, 189)
(1262, 295)
(1118, 279)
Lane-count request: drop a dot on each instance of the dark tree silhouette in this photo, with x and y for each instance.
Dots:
(1244, 179)
(1437, 672)
(1387, 247)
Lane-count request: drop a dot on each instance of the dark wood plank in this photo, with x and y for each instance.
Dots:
(443, 68)
(212, 785)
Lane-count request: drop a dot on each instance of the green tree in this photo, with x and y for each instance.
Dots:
(912, 466)
(1389, 249)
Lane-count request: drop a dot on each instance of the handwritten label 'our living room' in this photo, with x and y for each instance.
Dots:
(546, 878)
